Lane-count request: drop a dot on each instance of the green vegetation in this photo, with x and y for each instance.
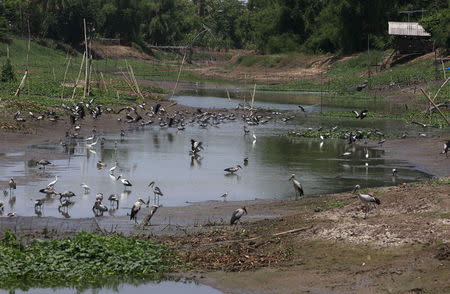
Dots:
(438, 24)
(83, 259)
(270, 26)
(7, 72)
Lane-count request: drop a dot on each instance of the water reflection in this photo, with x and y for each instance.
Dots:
(168, 287)
(162, 155)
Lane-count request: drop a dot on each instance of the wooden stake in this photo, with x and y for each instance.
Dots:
(253, 97)
(104, 83)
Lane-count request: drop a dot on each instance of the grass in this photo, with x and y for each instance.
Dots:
(344, 75)
(83, 259)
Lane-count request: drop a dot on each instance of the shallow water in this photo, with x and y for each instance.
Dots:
(161, 155)
(163, 287)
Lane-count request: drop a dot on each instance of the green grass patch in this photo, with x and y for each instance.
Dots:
(83, 259)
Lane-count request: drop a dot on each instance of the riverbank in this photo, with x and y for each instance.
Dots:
(320, 244)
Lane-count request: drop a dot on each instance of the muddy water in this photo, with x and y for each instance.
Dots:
(161, 287)
(161, 155)
(283, 100)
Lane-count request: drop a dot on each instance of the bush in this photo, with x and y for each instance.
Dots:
(7, 72)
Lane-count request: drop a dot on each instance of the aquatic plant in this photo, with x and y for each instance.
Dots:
(85, 258)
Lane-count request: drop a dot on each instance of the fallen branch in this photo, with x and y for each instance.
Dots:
(22, 83)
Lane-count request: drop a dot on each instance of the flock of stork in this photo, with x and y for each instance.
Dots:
(177, 120)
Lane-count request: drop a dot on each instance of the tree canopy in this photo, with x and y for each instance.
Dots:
(269, 26)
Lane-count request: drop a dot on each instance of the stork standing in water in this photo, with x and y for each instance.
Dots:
(113, 198)
(394, 172)
(38, 204)
(149, 216)
(232, 170)
(86, 188)
(51, 185)
(366, 199)
(12, 185)
(112, 169)
(297, 187)
(135, 209)
(43, 163)
(125, 182)
(237, 214)
(99, 208)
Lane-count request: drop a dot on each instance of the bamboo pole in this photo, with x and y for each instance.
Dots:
(253, 97)
(104, 82)
(22, 83)
(64, 79)
(435, 95)
(431, 101)
(79, 75)
(86, 80)
(178, 77)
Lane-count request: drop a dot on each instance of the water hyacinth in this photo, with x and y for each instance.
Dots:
(83, 258)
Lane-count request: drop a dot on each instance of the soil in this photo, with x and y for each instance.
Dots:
(321, 244)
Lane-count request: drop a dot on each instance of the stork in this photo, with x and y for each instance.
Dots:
(113, 198)
(125, 182)
(112, 169)
(394, 172)
(66, 195)
(224, 196)
(49, 191)
(64, 205)
(446, 148)
(361, 114)
(101, 164)
(38, 204)
(86, 188)
(99, 197)
(12, 185)
(297, 187)
(246, 161)
(237, 214)
(232, 170)
(366, 199)
(99, 208)
(51, 185)
(135, 209)
(150, 214)
(43, 163)
(91, 145)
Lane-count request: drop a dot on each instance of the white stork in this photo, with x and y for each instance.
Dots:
(51, 185)
(125, 182)
(297, 187)
(86, 188)
(237, 214)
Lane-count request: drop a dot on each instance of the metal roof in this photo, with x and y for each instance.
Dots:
(406, 29)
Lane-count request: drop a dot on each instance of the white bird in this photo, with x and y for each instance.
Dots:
(92, 144)
(135, 209)
(237, 214)
(367, 154)
(297, 186)
(112, 169)
(366, 199)
(347, 153)
(394, 172)
(51, 185)
(86, 188)
(254, 136)
(99, 197)
(125, 182)
(224, 196)
(232, 170)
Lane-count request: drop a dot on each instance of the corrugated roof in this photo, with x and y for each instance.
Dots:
(406, 29)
